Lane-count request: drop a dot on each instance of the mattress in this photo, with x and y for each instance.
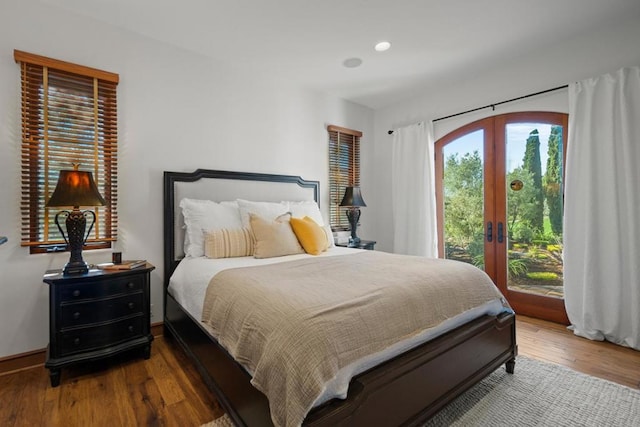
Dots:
(189, 282)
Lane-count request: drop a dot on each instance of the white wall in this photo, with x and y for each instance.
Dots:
(177, 111)
(584, 56)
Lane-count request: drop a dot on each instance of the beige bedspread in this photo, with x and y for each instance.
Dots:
(295, 324)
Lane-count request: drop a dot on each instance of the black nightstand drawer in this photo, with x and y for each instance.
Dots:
(99, 289)
(96, 315)
(82, 313)
(95, 337)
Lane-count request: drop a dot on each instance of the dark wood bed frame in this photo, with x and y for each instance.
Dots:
(406, 390)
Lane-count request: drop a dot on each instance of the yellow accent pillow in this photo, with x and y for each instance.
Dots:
(311, 236)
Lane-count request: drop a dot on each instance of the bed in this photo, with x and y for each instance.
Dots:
(405, 389)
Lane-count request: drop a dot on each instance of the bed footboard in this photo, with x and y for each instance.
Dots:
(412, 387)
(406, 390)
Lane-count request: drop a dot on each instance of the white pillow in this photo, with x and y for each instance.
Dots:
(330, 238)
(306, 208)
(203, 215)
(267, 210)
(233, 203)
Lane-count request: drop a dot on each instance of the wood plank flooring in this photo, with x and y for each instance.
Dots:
(552, 342)
(166, 390)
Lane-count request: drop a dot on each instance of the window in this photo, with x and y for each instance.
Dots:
(69, 115)
(344, 170)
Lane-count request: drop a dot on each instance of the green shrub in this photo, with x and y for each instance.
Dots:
(542, 275)
(522, 233)
(478, 261)
(554, 248)
(476, 246)
(541, 243)
(548, 235)
(517, 267)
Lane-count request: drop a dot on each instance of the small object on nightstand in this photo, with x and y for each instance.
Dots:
(342, 236)
(363, 244)
(97, 315)
(123, 265)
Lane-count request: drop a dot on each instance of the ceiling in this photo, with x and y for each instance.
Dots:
(306, 41)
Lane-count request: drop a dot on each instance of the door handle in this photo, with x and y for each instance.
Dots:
(500, 232)
(489, 231)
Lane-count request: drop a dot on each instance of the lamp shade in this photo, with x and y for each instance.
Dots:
(352, 197)
(75, 188)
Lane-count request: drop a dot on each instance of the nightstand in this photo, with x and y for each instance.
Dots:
(364, 244)
(96, 315)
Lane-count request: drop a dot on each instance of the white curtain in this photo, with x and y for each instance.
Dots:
(602, 208)
(413, 191)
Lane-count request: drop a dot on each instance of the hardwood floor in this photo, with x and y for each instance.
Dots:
(166, 390)
(552, 342)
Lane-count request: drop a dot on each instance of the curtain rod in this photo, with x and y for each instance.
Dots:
(493, 106)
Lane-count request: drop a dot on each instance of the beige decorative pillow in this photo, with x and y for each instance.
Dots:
(274, 238)
(228, 243)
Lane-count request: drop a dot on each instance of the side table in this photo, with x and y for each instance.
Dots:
(97, 315)
(364, 244)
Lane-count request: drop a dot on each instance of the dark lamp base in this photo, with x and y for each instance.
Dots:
(354, 242)
(353, 215)
(76, 223)
(74, 268)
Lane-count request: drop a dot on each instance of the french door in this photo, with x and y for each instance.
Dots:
(499, 192)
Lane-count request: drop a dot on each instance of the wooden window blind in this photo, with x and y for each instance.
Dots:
(69, 115)
(344, 170)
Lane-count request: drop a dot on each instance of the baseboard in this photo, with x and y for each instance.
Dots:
(157, 329)
(35, 358)
(22, 361)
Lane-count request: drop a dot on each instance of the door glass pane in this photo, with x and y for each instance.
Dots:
(463, 193)
(534, 208)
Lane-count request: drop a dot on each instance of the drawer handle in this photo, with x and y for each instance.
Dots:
(76, 293)
(131, 305)
(76, 315)
(76, 341)
(130, 328)
(130, 285)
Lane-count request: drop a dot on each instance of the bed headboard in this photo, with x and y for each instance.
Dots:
(220, 186)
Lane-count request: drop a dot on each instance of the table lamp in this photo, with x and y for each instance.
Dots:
(75, 188)
(353, 201)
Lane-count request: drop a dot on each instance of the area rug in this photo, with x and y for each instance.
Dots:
(538, 394)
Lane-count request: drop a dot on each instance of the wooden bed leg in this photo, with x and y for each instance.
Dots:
(510, 365)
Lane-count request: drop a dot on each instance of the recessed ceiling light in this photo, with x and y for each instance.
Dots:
(382, 46)
(352, 62)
